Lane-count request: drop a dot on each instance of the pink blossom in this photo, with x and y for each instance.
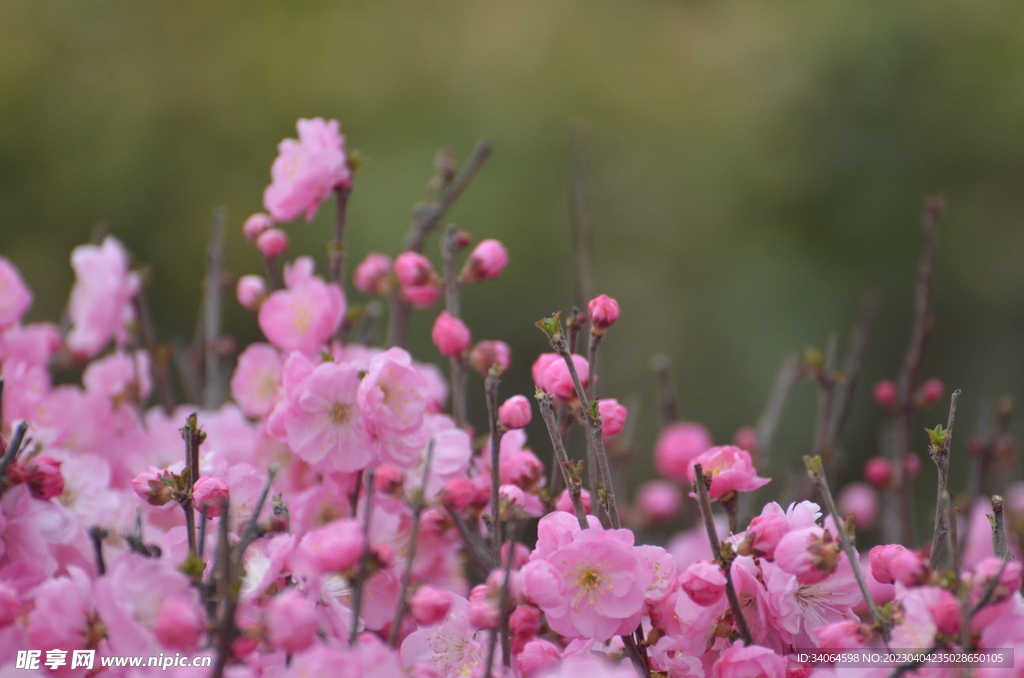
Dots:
(564, 501)
(604, 311)
(525, 622)
(337, 546)
(752, 661)
(523, 469)
(878, 472)
(290, 621)
(763, 535)
(32, 344)
(745, 438)
(306, 314)
(373, 275)
(451, 646)
(272, 243)
(421, 296)
(179, 624)
(658, 500)
(557, 380)
(101, 299)
(254, 384)
(63, 615)
(844, 635)
(251, 292)
(861, 501)
(430, 605)
(704, 582)
(120, 377)
(450, 335)
(325, 426)
(459, 494)
(613, 416)
(483, 613)
(255, 225)
(929, 394)
(537, 656)
(811, 554)
(731, 471)
(42, 475)
(515, 412)
(486, 261)
(487, 353)
(887, 395)
(413, 270)
(306, 170)
(677, 446)
(151, 488)
(894, 562)
(393, 398)
(15, 296)
(210, 492)
(11, 604)
(986, 572)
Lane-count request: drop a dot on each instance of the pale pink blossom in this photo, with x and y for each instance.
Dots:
(393, 398)
(430, 605)
(120, 377)
(450, 335)
(731, 471)
(677, 446)
(894, 562)
(251, 292)
(555, 377)
(861, 501)
(486, 261)
(658, 500)
(272, 243)
(452, 646)
(178, 624)
(63, 614)
(799, 608)
(537, 656)
(745, 438)
(306, 314)
(515, 412)
(373, 275)
(15, 296)
(844, 635)
(32, 344)
(524, 469)
(487, 353)
(564, 501)
(101, 299)
(985, 574)
(810, 554)
(704, 582)
(255, 225)
(290, 621)
(613, 416)
(254, 384)
(752, 661)
(306, 170)
(604, 311)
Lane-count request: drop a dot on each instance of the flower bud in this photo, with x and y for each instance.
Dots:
(861, 501)
(178, 625)
(430, 605)
(373, 275)
(210, 492)
(613, 417)
(894, 562)
(604, 311)
(557, 380)
(677, 445)
(844, 635)
(763, 535)
(487, 353)
(704, 582)
(887, 395)
(414, 270)
(658, 500)
(251, 292)
(811, 554)
(878, 472)
(256, 225)
(912, 465)
(482, 614)
(515, 412)
(290, 621)
(985, 573)
(929, 394)
(458, 494)
(388, 479)
(450, 335)
(525, 621)
(421, 296)
(272, 243)
(43, 478)
(486, 261)
(150, 486)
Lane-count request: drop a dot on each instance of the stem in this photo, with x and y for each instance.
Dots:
(202, 530)
(336, 249)
(667, 405)
(450, 248)
(98, 534)
(561, 459)
(478, 555)
(491, 393)
(274, 279)
(252, 529)
(582, 238)
(419, 503)
(592, 346)
(226, 630)
(789, 374)
(817, 476)
(214, 386)
(193, 438)
(730, 506)
(700, 487)
(364, 564)
(825, 379)
(161, 355)
(859, 336)
(13, 447)
(998, 527)
(425, 218)
(503, 614)
(941, 458)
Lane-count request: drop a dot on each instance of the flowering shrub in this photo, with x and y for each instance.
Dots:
(332, 517)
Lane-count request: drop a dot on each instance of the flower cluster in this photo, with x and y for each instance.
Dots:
(332, 517)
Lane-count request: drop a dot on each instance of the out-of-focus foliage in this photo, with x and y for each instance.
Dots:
(754, 167)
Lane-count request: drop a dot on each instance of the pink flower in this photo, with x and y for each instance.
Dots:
(251, 292)
(929, 394)
(420, 285)
(704, 582)
(255, 225)
(555, 378)
(985, 573)
(658, 500)
(32, 344)
(745, 438)
(810, 554)
(844, 635)
(254, 384)
(887, 395)
(538, 656)
(677, 445)
(486, 261)
(119, 377)
(430, 605)
(604, 311)
(373, 275)
(525, 621)
(335, 547)
(515, 412)
(731, 471)
(894, 562)
(290, 621)
(523, 469)
(151, 488)
(306, 314)
(210, 492)
(272, 243)
(101, 299)
(178, 624)
(306, 170)
(763, 535)
(487, 353)
(752, 661)
(878, 472)
(15, 296)
(861, 501)
(393, 398)
(43, 477)
(450, 335)
(564, 501)
(613, 417)
(325, 426)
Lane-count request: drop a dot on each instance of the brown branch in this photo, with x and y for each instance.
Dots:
(364, 564)
(561, 459)
(336, 248)
(491, 394)
(940, 455)
(998, 527)
(859, 336)
(451, 245)
(215, 385)
(667, 402)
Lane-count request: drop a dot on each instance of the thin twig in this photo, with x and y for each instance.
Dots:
(667, 402)
(581, 230)
(97, 534)
(491, 395)
(503, 613)
(700, 487)
(252, 528)
(226, 629)
(998, 527)
(859, 336)
(160, 355)
(13, 447)
(940, 455)
(336, 249)
(817, 476)
(561, 458)
(364, 564)
(451, 245)
(791, 371)
(824, 377)
(479, 556)
(418, 504)
(214, 386)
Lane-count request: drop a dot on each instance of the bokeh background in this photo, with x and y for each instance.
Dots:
(753, 168)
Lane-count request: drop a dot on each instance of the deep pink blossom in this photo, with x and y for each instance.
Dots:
(613, 416)
(101, 299)
(306, 314)
(272, 243)
(844, 635)
(895, 562)
(677, 446)
(878, 472)
(515, 412)
(15, 296)
(450, 335)
(551, 373)
(430, 605)
(604, 311)
(486, 261)
(929, 394)
(731, 471)
(306, 170)
(178, 624)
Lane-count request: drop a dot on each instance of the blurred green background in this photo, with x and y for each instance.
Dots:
(754, 167)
